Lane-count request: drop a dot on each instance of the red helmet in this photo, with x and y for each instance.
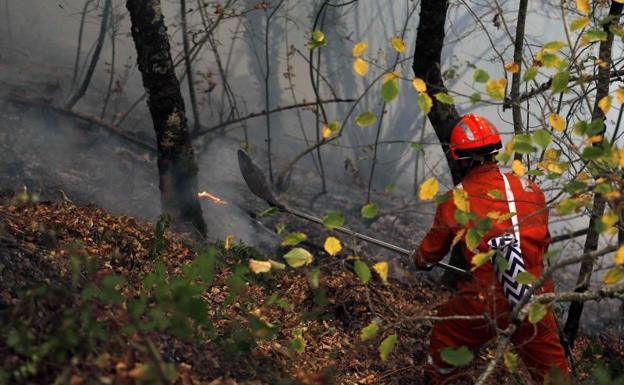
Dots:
(474, 135)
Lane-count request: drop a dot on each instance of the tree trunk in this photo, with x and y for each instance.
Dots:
(591, 242)
(429, 43)
(176, 159)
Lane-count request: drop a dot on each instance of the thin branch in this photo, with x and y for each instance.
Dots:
(515, 78)
(205, 130)
(94, 59)
(79, 47)
(189, 68)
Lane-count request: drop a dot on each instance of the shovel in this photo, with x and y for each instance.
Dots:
(258, 185)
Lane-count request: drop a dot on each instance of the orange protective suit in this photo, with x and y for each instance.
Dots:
(538, 344)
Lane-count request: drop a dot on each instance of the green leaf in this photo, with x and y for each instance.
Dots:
(370, 210)
(334, 126)
(416, 146)
(298, 344)
(501, 263)
(596, 35)
(387, 346)
(529, 74)
(369, 331)
(579, 23)
(537, 311)
(318, 39)
(365, 119)
(424, 102)
(480, 76)
(496, 194)
(293, 239)
(457, 357)
(580, 128)
(554, 45)
(314, 278)
(473, 238)
(333, 219)
(475, 97)
(390, 90)
(523, 148)
(560, 82)
(526, 278)
(445, 98)
(542, 138)
(298, 257)
(592, 153)
(595, 127)
(279, 228)
(362, 271)
(550, 60)
(268, 212)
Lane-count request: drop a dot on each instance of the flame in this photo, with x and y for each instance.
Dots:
(213, 198)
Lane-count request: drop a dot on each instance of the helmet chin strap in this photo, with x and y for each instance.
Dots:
(475, 161)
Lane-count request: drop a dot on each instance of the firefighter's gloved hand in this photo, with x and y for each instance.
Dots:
(420, 262)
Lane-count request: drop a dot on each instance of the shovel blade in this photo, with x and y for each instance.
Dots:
(255, 179)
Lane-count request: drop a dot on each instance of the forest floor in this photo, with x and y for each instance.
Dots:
(64, 320)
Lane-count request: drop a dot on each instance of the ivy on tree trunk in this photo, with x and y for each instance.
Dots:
(176, 159)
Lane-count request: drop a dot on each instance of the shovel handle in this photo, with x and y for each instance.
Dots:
(372, 240)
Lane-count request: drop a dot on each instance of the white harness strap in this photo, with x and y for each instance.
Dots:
(511, 202)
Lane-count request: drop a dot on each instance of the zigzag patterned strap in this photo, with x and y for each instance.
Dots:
(508, 247)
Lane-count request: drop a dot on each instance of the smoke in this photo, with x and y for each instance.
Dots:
(49, 152)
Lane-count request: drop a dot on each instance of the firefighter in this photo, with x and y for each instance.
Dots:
(474, 143)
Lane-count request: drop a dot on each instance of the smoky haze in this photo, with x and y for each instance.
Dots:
(51, 152)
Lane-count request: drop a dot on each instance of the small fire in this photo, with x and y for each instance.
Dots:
(211, 197)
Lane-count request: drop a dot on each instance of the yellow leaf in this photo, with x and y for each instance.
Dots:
(621, 156)
(359, 49)
(425, 102)
(428, 189)
(498, 216)
(258, 267)
(583, 6)
(391, 76)
(610, 218)
(460, 198)
(512, 67)
(420, 85)
(460, 234)
(517, 167)
(619, 256)
(593, 139)
(326, 132)
(557, 122)
(397, 44)
(481, 258)
(614, 275)
(496, 88)
(360, 67)
(229, 241)
(619, 94)
(612, 195)
(382, 269)
(332, 246)
(605, 104)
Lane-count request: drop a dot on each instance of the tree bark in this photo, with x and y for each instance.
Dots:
(429, 43)
(176, 159)
(427, 54)
(591, 242)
